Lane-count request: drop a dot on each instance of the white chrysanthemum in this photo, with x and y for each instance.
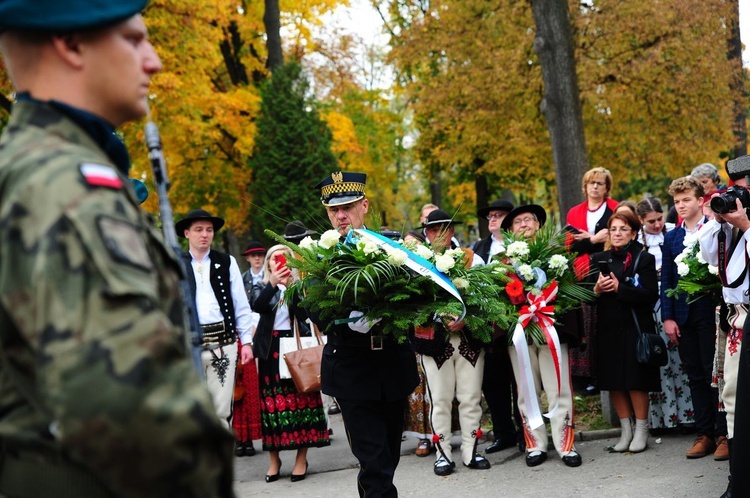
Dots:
(329, 238)
(690, 239)
(517, 249)
(308, 243)
(558, 263)
(461, 283)
(713, 270)
(700, 258)
(396, 257)
(682, 269)
(456, 253)
(444, 262)
(526, 272)
(424, 252)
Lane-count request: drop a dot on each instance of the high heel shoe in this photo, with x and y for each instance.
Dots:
(300, 477)
(274, 477)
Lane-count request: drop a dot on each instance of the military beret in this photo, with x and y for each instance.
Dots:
(56, 16)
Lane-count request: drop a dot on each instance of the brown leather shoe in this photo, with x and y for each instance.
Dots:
(722, 449)
(423, 448)
(702, 446)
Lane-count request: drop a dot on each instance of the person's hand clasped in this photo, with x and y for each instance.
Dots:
(606, 283)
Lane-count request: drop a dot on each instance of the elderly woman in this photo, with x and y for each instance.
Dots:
(628, 288)
(290, 420)
(590, 220)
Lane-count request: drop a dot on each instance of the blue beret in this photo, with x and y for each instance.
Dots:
(58, 16)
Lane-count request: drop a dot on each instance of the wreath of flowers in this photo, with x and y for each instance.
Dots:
(697, 277)
(361, 275)
(531, 268)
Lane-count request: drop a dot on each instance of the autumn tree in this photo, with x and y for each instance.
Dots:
(292, 152)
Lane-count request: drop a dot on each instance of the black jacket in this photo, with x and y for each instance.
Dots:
(264, 299)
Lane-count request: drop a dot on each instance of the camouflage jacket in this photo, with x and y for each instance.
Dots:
(94, 366)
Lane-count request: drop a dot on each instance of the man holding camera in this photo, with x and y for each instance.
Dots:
(724, 243)
(221, 303)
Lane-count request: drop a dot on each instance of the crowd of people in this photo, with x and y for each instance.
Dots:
(99, 396)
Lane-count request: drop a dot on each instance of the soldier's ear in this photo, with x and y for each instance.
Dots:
(68, 49)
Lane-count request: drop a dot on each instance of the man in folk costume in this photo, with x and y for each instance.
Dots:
(526, 221)
(453, 366)
(724, 243)
(498, 385)
(222, 307)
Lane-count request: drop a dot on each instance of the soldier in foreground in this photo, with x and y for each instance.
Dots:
(98, 396)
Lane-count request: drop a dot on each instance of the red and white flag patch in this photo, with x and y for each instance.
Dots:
(100, 175)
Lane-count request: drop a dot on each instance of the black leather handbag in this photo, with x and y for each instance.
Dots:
(650, 348)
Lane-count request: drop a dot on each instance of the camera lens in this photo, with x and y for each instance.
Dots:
(720, 205)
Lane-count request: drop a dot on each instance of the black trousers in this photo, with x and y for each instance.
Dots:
(501, 394)
(740, 460)
(697, 349)
(374, 430)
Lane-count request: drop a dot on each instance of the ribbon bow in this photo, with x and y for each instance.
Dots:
(540, 311)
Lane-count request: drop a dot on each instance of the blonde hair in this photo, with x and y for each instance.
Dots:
(267, 269)
(589, 176)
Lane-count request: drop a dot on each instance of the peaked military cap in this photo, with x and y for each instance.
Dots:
(56, 16)
(195, 215)
(342, 187)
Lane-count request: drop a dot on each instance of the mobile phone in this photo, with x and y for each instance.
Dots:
(571, 229)
(280, 260)
(604, 268)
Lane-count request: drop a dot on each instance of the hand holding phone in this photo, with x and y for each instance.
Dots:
(604, 268)
(280, 260)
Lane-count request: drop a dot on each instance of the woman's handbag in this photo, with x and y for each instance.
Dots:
(304, 364)
(650, 348)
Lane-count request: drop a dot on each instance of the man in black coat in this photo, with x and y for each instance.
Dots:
(369, 374)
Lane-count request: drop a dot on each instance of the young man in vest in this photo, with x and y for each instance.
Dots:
(222, 306)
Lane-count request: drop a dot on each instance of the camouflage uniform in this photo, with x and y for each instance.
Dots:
(98, 396)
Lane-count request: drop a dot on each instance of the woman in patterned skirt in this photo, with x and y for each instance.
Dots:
(290, 420)
(672, 405)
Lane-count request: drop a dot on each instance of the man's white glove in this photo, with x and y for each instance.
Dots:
(362, 325)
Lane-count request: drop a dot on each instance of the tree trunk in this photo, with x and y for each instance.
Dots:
(271, 19)
(5, 103)
(561, 103)
(480, 183)
(739, 126)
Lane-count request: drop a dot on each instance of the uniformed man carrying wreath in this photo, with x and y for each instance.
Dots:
(223, 309)
(369, 374)
(99, 397)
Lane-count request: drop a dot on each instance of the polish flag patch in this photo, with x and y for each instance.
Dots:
(100, 175)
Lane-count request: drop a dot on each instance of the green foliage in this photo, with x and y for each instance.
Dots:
(292, 152)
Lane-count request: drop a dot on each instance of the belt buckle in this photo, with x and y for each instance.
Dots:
(376, 342)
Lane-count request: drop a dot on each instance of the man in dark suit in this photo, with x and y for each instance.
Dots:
(369, 374)
(691, 326)
(498, 385)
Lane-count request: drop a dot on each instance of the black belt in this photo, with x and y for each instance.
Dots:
(217, 334)
(375, 342)
(31, 475)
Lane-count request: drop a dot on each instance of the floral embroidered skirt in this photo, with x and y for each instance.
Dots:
(246, 406)
(289, 420)
(673, 405)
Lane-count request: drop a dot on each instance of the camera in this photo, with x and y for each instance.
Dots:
(727, 202)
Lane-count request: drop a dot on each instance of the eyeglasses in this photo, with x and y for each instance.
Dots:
(620, 230)
(598, 184)
(521, 221)
(496, 216)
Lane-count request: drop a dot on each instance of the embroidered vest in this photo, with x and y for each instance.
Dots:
(219, 278)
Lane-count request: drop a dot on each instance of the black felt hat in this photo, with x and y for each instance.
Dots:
(342, 187)
(295, 231)
(254, 248)
(439, 217)
(195, 215)
(536, 210)
(498, 205)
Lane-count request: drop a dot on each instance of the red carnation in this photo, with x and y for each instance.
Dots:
(435, 439)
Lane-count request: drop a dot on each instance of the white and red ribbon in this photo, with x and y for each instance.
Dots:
(537, 310)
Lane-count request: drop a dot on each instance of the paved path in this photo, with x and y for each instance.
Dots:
(661, 471)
